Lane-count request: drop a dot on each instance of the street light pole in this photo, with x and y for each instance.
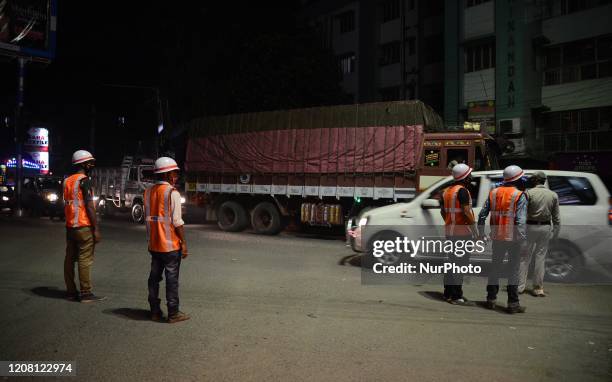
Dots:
(18, 127)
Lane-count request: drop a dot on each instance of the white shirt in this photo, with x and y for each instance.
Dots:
(175, 206)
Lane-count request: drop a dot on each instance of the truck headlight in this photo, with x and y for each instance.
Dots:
(52, 197)
(183, 200)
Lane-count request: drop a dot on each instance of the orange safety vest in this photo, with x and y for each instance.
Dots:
(454, 219)
(503, 202)
(158, 217)
(75, 209)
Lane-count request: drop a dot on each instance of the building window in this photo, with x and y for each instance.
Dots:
(578, 61)
(411, 46)
(554, 8)
(473, 3)
(347, 63)
(346, 21)
(583, 120)
(389, 94)
(390, 10)
(479, 57)
(389, 53)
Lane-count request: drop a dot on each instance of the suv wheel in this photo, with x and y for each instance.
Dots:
(563, 263)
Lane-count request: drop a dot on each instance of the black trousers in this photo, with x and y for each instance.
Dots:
(169, 263)
(453, 282)
(500, 249)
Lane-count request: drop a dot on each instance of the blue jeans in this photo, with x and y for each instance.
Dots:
(170, 262)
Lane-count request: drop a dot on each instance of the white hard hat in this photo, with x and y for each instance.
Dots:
(461, 171)
(82, 156)
(165, 164)
(512, 173)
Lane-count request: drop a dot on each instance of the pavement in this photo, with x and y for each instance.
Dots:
(287, 307)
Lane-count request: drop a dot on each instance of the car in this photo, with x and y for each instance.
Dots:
(585, 210)
(43, 196)
(7, 199)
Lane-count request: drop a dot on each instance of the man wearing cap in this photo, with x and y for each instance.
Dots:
(508, 208)
(166, 239)
(82, 230)
(460, 224)
(542, 210)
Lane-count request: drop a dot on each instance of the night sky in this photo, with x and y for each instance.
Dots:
(206, 59)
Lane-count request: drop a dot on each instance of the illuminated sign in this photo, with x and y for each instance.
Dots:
(37, 145)
(12, 163)
(432, 144)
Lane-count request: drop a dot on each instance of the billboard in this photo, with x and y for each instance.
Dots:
(37, 145)
(27, 28)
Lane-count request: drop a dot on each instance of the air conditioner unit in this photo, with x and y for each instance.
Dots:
(510, 127)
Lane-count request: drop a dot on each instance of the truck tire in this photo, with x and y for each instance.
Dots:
(138, 213)
(232, 217)
(266, 219)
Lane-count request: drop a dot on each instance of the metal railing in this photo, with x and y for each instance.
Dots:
(594, 140)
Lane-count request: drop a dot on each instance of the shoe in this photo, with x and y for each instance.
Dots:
(157, 316)
(177, 317)
(460, 301)
(72, 297)
(490, 304)
(91, 298)
(538, 293)
(515, 309)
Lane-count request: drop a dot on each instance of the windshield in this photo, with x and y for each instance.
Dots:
(50, 184)
(146, 175)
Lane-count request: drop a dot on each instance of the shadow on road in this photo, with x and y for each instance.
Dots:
(130, 313)
(432, 295)
(49, 292)
(354, 260)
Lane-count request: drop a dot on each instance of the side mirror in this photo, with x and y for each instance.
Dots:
(429, 204)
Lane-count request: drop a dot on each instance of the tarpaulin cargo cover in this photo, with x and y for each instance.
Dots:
(370, 138)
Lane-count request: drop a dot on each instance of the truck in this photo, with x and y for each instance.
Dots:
(321, 166)
(121, 188)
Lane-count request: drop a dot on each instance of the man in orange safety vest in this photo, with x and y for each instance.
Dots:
(166, 238)
(508, 208)
(82, 230)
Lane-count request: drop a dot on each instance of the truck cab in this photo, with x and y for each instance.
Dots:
(121, 189)
(441, 151)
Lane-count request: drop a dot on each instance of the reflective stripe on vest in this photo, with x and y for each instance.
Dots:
(454, 220)
(158, 219)
(503, 202)
(74, 202)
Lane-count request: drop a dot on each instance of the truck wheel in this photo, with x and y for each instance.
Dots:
(138, 214)
(232, 217)
(266, 219)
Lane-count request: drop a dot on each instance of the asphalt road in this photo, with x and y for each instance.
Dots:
(281, 308)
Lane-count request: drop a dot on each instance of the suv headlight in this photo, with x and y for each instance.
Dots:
(52, 197)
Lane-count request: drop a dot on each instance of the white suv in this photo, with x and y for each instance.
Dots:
(583, 198)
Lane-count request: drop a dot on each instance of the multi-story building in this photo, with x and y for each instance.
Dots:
(538, 72)
(387, 49)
